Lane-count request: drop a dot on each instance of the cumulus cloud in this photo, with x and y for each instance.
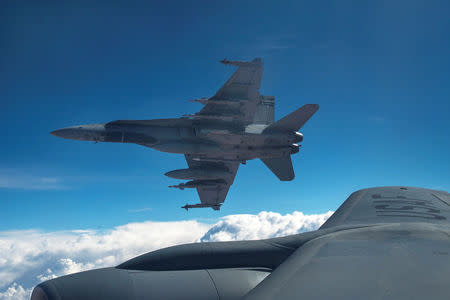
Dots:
(31, 256)
(263, 225)
(15, 292)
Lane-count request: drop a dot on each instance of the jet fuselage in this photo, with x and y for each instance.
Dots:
(185, 136)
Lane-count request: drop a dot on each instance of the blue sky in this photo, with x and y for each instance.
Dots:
(379, 70)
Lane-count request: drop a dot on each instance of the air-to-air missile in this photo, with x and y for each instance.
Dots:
(199, 183)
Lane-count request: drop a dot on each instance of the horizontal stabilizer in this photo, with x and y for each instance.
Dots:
(295, 120)
(281, 167)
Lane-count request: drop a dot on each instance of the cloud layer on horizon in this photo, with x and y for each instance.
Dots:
(31, 256)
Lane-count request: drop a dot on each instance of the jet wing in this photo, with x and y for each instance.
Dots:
(214, 195)
(392, 205)
(238, 98)
(382, 243)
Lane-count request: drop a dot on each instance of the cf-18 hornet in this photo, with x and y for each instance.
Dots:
(235, 125)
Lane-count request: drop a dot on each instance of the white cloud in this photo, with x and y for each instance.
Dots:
(31, 256)
(15, 292)
(21, 179)
(263, 225)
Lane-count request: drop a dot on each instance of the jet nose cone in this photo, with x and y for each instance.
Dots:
(54, 132)
(63, 133)
(90, 132)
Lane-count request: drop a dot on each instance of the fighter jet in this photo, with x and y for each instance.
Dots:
(382, 243)
(235, 125)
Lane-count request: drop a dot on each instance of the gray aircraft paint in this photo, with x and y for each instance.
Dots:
(235, 125)
(382, 243)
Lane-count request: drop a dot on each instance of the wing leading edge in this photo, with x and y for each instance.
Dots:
(385, 243)
(391, 205)
(237, 99)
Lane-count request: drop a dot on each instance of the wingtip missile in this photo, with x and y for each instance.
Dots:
(202, 100)
(257, 61)
(178, 186)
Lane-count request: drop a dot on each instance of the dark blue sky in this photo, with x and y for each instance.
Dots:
(379, 70)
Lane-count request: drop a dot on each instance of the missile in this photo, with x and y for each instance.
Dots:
(198, 173)
(220, 102)
(211, 117)
(213, 206)
(242, 161)
(201, 100)
(256, 61)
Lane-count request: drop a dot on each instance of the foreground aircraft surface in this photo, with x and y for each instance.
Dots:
(382, 243)
(235, 125)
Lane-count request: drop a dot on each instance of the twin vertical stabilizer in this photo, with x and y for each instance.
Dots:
(265, 113)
